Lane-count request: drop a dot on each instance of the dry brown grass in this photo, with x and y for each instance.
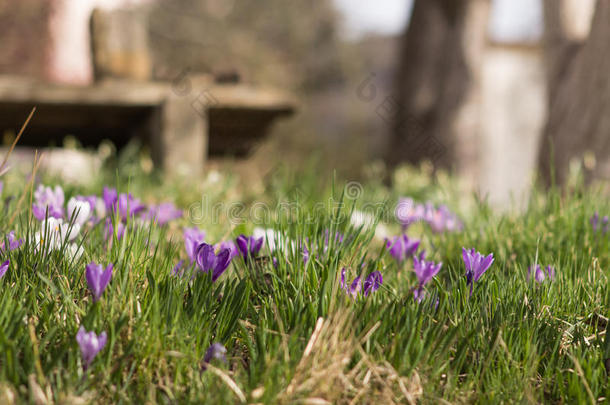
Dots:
(326, 373)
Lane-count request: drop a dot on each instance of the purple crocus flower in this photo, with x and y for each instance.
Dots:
(162, 213)
(401, 247)
(476, 264)
(355, 287)
(343, 284)
(128, 206)
(425, 271)
(13, 243)
(338, 238)
(418, 294)
(273, 238)
(46, 198)
(110, 197)
(300, 247)
(230, 245)
(90, 345)
(550, 272)
(372, 282)
(207, 260)
(407, 212)
(178, 270)
(249, 246)
(4, 268)
(443, 219)
(125, 204)
(215, 351)
(594, 221)
(305, 254)
(539, 274)
(439, 219)
(109, 229)
(98, 278)
(193, 237)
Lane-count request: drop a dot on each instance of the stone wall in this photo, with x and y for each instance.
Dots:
(25, 37)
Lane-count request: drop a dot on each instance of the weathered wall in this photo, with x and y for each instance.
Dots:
(119, 44)
(25, 37)
(49, 39)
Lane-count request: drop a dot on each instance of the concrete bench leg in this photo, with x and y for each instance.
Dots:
(180, 146)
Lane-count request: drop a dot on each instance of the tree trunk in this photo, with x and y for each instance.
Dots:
(438, 85)
(579, 95)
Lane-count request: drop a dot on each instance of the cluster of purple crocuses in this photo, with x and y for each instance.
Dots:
(372, 282)
(61, 225)
(122, 206)
(440, 219)
(249, 246)
(275, 241)
(215, 259)
(203, 255)
(49, 202)
(403, 248)
(90, 343)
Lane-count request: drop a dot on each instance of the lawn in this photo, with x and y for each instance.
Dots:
(286, 291)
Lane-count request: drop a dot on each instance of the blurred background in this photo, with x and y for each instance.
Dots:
(498, 92)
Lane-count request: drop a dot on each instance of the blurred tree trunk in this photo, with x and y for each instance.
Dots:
(579, 93)
(438, 85)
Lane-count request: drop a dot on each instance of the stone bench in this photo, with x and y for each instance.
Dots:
(181, 121)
